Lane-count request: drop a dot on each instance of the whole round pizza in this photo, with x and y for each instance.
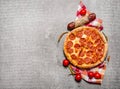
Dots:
(85, 47)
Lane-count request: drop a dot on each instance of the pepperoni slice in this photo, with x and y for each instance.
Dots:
(87, 60)
(73, 56)
(81, 44)
(69, 50)
(99, 50)
(94, 35)
(98, 41)
(89, 44)
(87, 32)
(101, 54)
(80, 62)
(77, 46)
(89, 53)
(92, 48)
(81, 53)
(96, 53)
(98, 36)
(69, 44)
(101, 46)
(79, 34)
(94, 58)
(82, 40)
(72, 36)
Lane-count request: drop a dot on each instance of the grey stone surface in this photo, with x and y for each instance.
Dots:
(30, 57)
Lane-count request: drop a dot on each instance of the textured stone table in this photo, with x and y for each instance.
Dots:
(30, 57)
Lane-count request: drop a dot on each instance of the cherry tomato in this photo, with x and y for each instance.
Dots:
(78, 77)
(83, 12)
(90, 74)
(97, 75)
(65, 62)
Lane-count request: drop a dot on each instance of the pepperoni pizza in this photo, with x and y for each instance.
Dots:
(85, 47)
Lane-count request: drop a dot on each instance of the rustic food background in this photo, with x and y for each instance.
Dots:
(30, 57)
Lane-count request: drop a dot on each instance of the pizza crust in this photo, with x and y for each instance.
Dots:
(84, 65)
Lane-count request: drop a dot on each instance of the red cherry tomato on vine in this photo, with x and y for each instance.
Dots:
(65, 62)
(78, 77)
(83, 12)
(97, 75)
(90, 74)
